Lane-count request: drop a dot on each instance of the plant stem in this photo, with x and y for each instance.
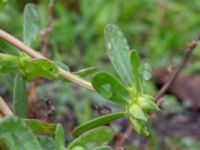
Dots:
(4, 109)
(73, 78)
(123, 137)
(21, 46)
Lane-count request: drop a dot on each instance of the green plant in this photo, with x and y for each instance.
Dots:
(130, 94)
(28, 66)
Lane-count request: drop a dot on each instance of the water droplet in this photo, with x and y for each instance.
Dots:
(126, 47)
(106, 90)
(119, 33)
(109, 46)
(147, 71)
(125, 41)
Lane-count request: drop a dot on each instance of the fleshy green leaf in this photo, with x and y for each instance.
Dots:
(97, 122)
(60, 138)
(20, 102)
(41, 68)
(41, 127)
(85, 72)
(31, 26)
(118, 52)
(17, 135)
(92, 139)
(109, 87)
(137, 112)
(8, 63)
(137, 72)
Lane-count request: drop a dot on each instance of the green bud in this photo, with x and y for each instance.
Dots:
(147, 104)
(140, 126)
(136, 112)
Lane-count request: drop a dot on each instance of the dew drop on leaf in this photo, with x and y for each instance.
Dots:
(109, 47)
(146, 71)
(107, 90)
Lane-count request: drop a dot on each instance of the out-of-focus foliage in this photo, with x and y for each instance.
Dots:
(156, 28)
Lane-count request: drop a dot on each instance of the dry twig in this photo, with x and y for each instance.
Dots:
(44, 34)
(123, 136)
(190, 47)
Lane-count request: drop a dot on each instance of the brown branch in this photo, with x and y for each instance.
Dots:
(122, 138)
(31, 91)
(24, 48)
(45, 32)
(190, 47)
(4, 109)
(44, 36)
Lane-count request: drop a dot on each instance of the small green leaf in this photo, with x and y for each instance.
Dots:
(20, 102)
(41, 68)
(146, 71)
(17, 135)
(92, 139)
(137, 112)
(118, 52)
(60, 138)
(41, 127)
(85, 72)
(97, 122)
(109, 87)
(31, 26)
(61, 65)
(8, 63)
(147, 104)
(136, 71)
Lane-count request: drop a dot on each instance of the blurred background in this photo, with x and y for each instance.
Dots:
(158, 29)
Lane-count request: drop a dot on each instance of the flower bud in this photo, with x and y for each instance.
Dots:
(136, 112)
(140, 126)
